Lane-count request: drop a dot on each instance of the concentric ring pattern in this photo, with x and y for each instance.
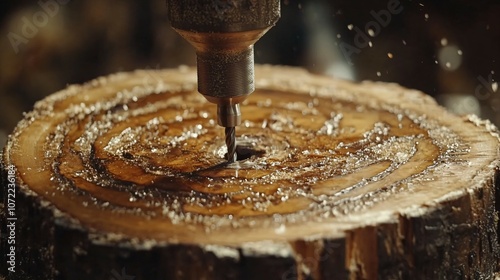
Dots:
(146, 146)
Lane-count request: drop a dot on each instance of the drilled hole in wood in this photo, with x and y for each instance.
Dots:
(321, 162)
(245, 152)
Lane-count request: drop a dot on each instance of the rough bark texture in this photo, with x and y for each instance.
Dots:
(124, 178)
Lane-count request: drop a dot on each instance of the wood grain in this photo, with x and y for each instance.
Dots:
(336, 180)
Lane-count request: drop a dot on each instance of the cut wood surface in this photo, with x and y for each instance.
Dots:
(335, 180)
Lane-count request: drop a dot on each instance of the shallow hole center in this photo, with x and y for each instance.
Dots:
(244, 152)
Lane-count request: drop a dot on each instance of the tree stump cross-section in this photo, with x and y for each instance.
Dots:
(125, 177)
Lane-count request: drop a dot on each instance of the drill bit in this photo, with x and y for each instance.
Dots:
(231, 144)
(229, 116)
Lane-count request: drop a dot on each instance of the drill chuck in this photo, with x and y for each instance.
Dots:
(226, 78)
(222, 16)
(228, 115)
(223, 33)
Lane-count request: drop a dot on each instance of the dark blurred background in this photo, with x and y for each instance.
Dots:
(448, 49)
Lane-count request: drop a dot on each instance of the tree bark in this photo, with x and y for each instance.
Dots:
(124, 178)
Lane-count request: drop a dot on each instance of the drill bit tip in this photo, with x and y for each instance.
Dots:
(231, 144)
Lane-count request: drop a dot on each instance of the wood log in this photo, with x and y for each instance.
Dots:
(124, 178)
